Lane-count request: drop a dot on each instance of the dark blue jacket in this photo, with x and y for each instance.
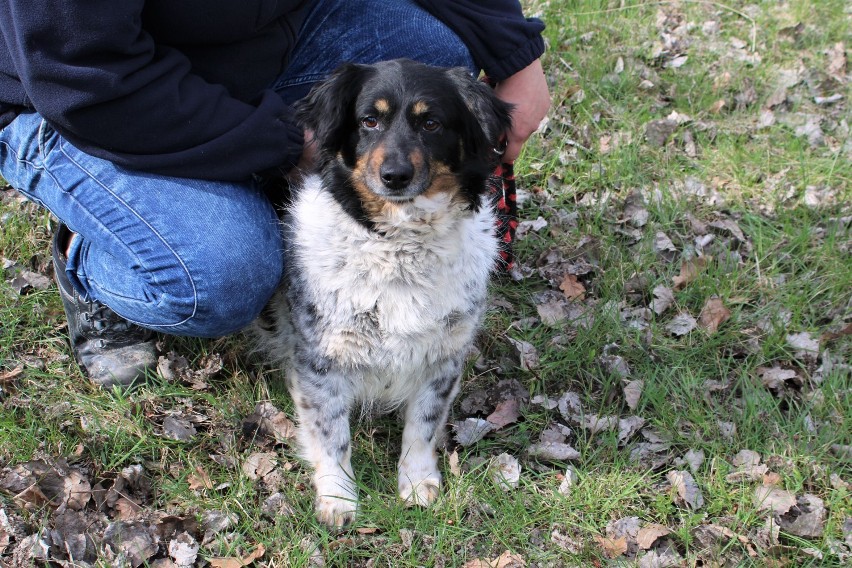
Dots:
(178, 87)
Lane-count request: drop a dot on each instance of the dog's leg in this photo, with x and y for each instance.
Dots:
(425, 419)
(322, 411)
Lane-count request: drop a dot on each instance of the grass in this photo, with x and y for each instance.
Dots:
(794, 268)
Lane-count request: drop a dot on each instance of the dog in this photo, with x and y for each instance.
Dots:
(389, 252)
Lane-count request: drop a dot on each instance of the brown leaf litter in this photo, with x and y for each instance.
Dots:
(267, 421)
(505, 560)
(239, 562)
(713, 314)
(687, 490)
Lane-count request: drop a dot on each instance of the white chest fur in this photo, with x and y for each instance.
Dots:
(396, 301)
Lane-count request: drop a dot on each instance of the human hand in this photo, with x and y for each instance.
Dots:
(527, 91)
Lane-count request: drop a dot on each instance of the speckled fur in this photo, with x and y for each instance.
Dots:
(379, 315)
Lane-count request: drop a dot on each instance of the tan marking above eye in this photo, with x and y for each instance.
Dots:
(382, 105)
(420, 107)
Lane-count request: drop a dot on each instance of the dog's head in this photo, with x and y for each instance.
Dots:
(394, 131)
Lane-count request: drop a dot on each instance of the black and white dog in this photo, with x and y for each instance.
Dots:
(389, 252)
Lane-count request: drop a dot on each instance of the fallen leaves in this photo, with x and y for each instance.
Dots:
(505, 560)
(471, 430)
(612, 547)
(507, 412)
(572, 288)
(527, 354)
(689, 271)
(687, 490)
(239, 562)
(713, 314)
(633, 393)
(681, 324)
(267, 420)
(505, 471)
(663, 299)
(649, 534)
(37, 483)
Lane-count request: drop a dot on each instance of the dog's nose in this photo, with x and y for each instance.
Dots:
(396, 174)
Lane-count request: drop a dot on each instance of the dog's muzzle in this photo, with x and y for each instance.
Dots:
(398, 177)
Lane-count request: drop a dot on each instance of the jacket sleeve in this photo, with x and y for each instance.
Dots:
(501, 40)
(103, 83)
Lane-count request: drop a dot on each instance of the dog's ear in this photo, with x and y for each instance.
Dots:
(328, 109)
(493, 116)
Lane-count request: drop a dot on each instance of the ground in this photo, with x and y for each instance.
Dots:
(664, 380)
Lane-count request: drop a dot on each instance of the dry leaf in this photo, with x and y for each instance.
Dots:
(614, 364)
(774, 378)
(136, 540)
(507, 412)
(649, 534)
(633, 392)
(746, 457)
(627, 427)
(594, 423)
(8, 376)
(525, 227)
(453, 463)
(694, 459)
(570, 406)
(232, 562)
(634, 209)
(663, 299)
(551, 313)
(681, 324)
(506, 471)
(836, 56)
(747, 473)
(183, 549)
(717, 107)
(260, 464)
(175, 428)
(126, 509)
(688, 492)
(713, 314)
(572, 288)
(553, 451)
(730, 226)
(471, 430)
(199, 479)
(806, 518)
(505, 560)
(773, 499)
(689, 271)
(612, 547)
(727, 429)
(527, 353)
(267, 420)
(26, 281)
(805, 344)
(657, 132)
(663, 243)
(571, 479)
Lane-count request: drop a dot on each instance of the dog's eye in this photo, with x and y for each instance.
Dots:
(370, 122)
(431, 125)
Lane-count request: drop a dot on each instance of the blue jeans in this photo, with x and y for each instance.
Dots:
(194, 257)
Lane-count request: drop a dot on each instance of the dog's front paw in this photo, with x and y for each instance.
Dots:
(336, 511)
(420, 492)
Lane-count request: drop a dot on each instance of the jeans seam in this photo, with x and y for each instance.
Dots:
(35, 167)
(152, 229)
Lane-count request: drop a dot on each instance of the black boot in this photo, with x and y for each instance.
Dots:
(111, 350)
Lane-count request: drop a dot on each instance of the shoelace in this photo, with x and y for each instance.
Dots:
(101, 321)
